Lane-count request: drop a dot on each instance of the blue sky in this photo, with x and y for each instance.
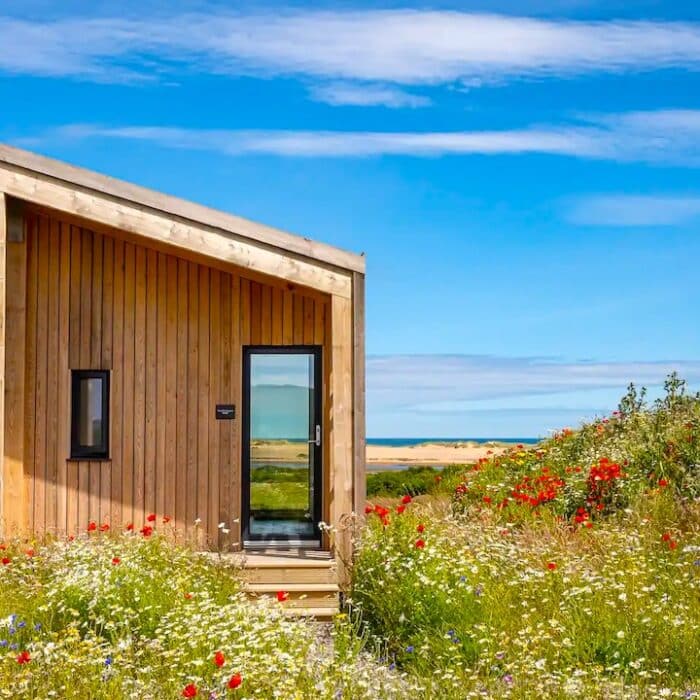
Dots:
(524, 177)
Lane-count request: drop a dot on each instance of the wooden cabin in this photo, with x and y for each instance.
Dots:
(160, 357)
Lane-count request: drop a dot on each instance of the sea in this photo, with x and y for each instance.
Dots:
(408, 442)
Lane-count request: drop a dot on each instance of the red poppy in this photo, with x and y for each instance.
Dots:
(151, 518)
(282, 596)
(406, 499)
(672, 544)
(421, 528)
(116, 561)
(130, 527)
(71, 538)
(190, 691)
(219, 658)
(368, 509)
(486, 499)
(420, 544)
(166, 518)
(188, 596)
(146, 530)
(5, 561)
(30, 552)
(92, 526)
(24, 657)
(104, 527)
(400, 509)
(551, 565)
(235, 681)
(663, 483)
(666, 537)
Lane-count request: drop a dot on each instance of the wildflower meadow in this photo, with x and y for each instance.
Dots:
(131, 615)
(571, 569)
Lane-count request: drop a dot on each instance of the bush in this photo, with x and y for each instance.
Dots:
(414, 481)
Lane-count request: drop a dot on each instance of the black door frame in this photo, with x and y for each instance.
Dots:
(317, 505)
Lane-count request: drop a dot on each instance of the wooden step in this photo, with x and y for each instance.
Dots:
(308, 602)
(292, 588)
(309, 577)
(309, 595)
(286, 576)
(316, 614)
(307, 568)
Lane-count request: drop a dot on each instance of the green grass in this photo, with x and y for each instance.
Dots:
(274, 473)
(281, 489)
(285, 496)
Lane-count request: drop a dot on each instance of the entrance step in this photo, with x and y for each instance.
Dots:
(315, 614)
(306, 568)
(307, 577)
(304, 595)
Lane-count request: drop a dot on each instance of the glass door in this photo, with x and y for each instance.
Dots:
(281, 445)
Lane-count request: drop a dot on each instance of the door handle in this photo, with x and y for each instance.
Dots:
(317, 440)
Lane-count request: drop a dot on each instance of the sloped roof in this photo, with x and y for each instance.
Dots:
(128, 193)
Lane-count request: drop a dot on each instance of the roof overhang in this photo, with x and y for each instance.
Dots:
(177, 222)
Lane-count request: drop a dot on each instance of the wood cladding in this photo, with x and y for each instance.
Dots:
(171, 331)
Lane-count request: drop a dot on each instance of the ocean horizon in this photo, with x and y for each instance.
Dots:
(407, 442)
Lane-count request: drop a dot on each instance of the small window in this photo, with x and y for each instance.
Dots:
(90, 414)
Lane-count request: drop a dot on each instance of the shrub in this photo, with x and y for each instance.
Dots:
(414, 481)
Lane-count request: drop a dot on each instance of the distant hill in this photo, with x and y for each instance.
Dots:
(280, 411)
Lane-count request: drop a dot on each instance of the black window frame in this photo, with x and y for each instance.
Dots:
(93, 452)
(319, 483)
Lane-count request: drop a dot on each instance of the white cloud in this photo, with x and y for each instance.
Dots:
(656, 137)
(448, 381)
(635, 210)
(463, 395)
(360, 95)
(390, 46)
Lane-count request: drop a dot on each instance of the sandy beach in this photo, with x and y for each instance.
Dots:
(430, 453)
(426, 453)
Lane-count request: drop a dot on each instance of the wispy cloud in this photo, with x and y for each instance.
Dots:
(635, 210)
(472, 395)
(390, 46)
(655, 137)
(360, 95)
(417, 380)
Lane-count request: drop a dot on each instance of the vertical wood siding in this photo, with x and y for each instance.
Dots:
(170, 330)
